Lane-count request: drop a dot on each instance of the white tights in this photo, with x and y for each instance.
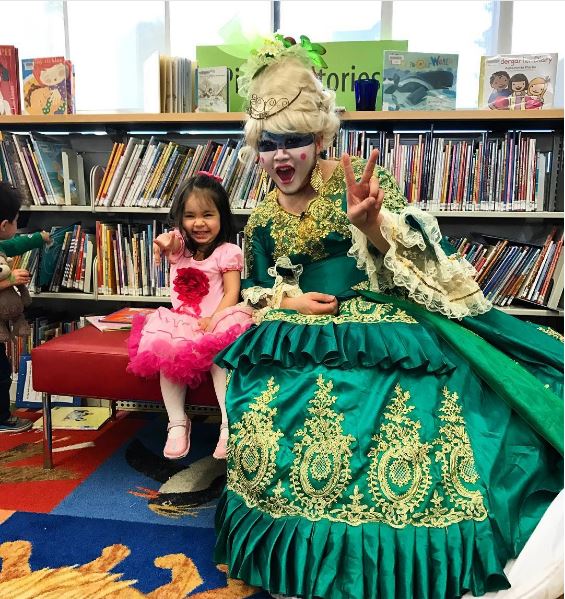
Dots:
(174, 397)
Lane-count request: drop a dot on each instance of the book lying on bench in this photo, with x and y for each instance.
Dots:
(76, 418)
(106, 326)
(125, 315)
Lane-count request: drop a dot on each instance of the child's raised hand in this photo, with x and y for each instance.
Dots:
(163, 243)
(46, 236)
(204, 323)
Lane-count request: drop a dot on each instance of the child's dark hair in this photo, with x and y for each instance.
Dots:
(214, 190)
(10, 202)
(499, 74)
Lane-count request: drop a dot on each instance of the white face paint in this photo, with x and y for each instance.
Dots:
(288, 159)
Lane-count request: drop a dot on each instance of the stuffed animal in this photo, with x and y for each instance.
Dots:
(13, 300)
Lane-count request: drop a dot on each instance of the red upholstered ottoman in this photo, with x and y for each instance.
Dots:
(90, 363)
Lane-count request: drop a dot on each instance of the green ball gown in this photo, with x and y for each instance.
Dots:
(405, 448)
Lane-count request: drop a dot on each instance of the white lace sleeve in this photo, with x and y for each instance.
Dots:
(441, 283)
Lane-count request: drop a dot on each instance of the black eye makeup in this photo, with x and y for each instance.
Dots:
(270, 142)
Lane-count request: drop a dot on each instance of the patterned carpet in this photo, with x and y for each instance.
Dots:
(114, 518)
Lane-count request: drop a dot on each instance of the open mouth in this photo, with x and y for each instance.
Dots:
(285, 174)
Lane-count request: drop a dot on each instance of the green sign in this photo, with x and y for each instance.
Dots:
(347, 61)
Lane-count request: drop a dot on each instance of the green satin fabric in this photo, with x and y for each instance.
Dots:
(309, 465)
(530, 397)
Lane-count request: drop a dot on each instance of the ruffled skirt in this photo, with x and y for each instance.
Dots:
(173, 343)
(369, 461)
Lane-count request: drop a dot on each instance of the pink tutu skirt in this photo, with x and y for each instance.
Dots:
(173, 343)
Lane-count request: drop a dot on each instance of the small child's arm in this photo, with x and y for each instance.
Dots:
(22, 243)
(166, 243)
(232, 285)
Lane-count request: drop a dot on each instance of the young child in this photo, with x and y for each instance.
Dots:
(13, 245)
(180, 343)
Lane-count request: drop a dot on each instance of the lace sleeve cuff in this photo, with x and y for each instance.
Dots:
(441, 283)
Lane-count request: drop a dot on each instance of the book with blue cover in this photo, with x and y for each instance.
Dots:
(419, 81)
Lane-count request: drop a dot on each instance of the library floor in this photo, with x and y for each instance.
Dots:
(113, 516)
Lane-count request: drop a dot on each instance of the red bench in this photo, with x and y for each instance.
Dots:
(89, 363)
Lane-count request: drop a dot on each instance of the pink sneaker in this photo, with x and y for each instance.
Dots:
(179, 447)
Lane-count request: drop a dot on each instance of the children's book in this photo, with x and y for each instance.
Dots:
(9, 81)
(213, 86)
(76, 418)
(47, 85)
(125, 315)
(517, 81)
(419, 81)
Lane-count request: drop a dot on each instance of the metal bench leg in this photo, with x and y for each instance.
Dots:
(47, 432)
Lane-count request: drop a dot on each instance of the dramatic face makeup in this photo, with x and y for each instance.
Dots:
(288, 158)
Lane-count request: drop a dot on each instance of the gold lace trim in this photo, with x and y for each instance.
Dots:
(551, 332)
(352, 310)
(400, 479)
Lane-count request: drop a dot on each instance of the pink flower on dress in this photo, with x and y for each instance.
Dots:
(191, 285)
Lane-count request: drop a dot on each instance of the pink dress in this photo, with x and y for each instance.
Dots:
(170, 340)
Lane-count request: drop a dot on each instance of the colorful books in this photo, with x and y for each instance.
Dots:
(48, 85)
(9, 81)
(125, 315)
(517, 81)
(419, 81)
(213, 86)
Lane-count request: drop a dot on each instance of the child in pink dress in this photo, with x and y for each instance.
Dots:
(180, 343)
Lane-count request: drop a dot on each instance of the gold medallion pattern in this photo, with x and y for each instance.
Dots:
(399, 475)
(401, 487)
(254, 447)
(320, 471)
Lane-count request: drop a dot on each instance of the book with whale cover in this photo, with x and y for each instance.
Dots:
(419, 81)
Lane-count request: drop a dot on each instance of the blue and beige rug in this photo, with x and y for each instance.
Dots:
(114, 518)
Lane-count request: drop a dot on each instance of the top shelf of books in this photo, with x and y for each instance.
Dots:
(218, 120)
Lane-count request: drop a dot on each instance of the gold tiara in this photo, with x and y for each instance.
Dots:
(261, 109)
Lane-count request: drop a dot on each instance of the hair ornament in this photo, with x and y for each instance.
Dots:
(211, 175)
(261, 109)
(273, 50)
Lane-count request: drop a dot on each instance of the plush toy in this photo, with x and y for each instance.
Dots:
(13, 300)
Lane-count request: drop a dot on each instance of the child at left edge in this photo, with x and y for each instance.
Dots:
(180, 343)
(13, 245)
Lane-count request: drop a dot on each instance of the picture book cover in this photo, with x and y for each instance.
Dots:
(419, 81)
(46, 85)
(125, 315)
(76, 418)
(9, 81)
(517, 81)
(213, 89)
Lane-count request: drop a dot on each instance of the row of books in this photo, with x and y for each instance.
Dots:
(42, 328)
(47, 84)
(478, 172)
(125, 263)
(147, 173)
(509, 270)
(46, 171)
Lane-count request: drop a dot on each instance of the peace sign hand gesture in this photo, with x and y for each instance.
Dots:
(364, 197)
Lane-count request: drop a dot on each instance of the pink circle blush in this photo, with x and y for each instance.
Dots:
(303, 156)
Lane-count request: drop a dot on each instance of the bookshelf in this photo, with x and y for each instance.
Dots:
(92, 135)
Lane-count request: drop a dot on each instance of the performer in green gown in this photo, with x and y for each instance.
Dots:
(392, 435)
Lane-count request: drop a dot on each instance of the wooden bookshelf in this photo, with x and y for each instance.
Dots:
(194, 127)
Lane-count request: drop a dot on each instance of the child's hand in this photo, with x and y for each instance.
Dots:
(204, 323)
(163, 243)
(46, 236)
(20, 276)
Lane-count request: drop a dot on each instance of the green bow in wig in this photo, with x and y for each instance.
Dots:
(274, 49)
